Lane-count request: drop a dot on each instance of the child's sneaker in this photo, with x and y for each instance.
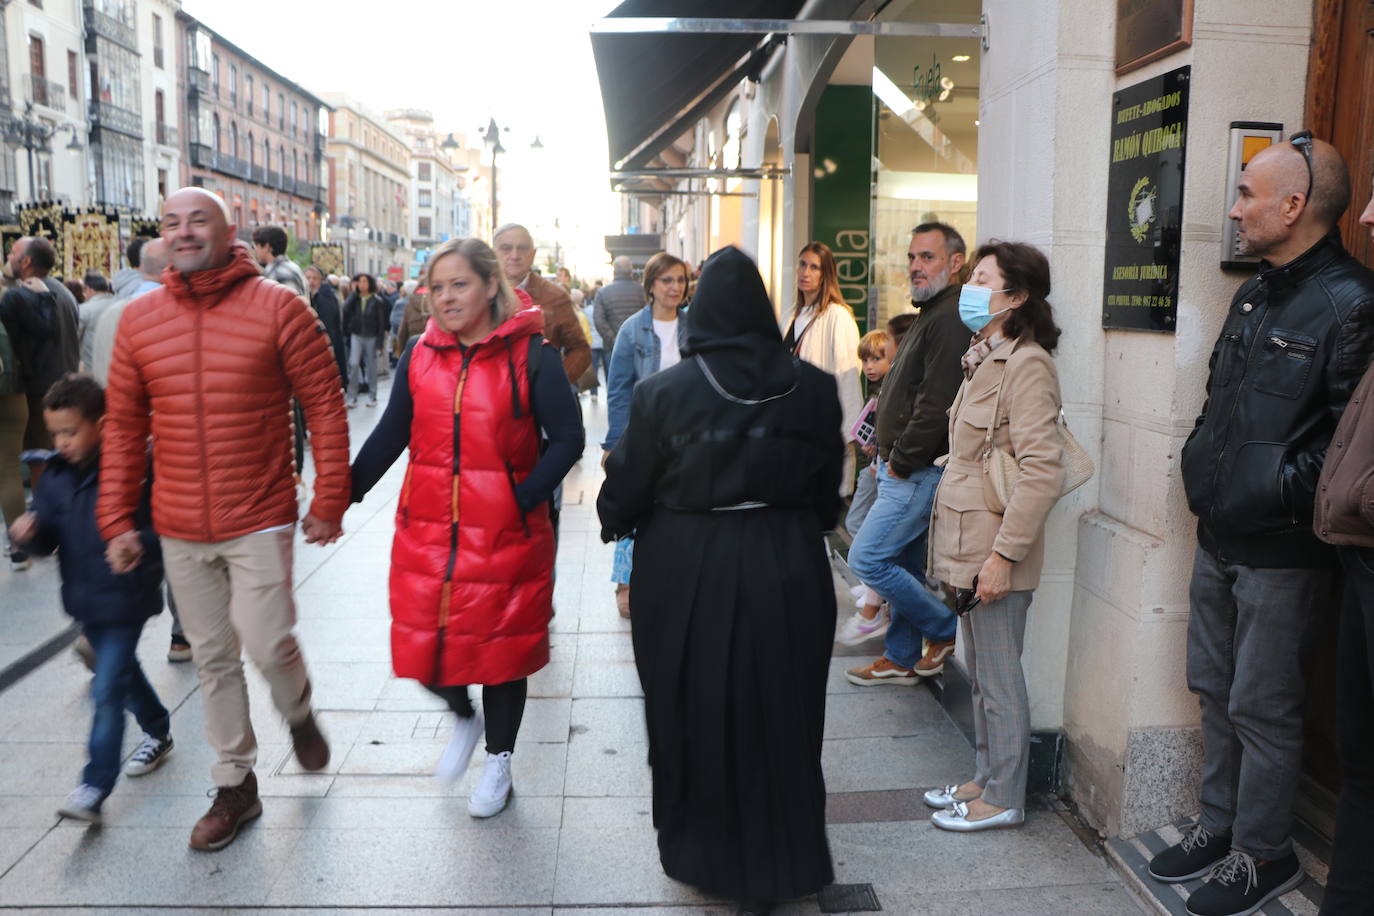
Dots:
(148, 756)
(859, 628)
(19, 560)
(83, 804)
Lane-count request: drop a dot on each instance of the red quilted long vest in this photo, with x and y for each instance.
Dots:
(471, 576)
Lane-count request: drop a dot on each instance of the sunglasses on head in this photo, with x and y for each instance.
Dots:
(1302, 141)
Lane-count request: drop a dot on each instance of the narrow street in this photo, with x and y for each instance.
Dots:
(376, 833)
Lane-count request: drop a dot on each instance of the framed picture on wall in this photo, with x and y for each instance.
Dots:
(1147, 30)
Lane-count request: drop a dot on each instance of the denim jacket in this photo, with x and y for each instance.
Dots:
(635, 356)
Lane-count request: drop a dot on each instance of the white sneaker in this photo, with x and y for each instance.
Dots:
(83, 804)
(859, 628)
(495, 789)
(453, 763)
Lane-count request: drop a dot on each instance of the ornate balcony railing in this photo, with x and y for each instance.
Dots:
(114, 117)
(109, 27)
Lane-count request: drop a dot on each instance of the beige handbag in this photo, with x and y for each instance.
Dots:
(1000, 469)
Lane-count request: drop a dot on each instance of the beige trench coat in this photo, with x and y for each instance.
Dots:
(963, 532)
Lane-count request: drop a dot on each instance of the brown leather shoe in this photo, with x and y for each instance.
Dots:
(933, 662)
(233, 807)
(311, 749)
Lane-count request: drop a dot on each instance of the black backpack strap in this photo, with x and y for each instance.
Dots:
(532, 362)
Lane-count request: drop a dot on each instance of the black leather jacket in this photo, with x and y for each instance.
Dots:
(1295, 343)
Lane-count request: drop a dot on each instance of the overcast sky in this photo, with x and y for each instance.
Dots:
(528, 63)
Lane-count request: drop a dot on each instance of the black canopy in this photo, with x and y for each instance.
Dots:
(654, 85)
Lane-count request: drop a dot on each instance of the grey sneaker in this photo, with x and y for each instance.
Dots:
(83, 804)
(1192, 857)
(149, 755)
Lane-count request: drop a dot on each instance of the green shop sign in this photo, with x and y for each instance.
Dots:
(843, 189)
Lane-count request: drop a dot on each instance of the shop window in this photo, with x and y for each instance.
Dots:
(926, 156)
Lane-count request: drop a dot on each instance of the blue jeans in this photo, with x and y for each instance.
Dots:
(119, 684)
(889, 555)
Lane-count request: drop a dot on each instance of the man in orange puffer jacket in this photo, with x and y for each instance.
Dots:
(208, 365)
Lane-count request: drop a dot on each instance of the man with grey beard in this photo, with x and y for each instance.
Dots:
(888, 553)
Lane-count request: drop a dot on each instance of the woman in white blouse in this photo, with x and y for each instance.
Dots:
(823, 332)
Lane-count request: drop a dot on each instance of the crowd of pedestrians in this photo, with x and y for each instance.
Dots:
(156, 412)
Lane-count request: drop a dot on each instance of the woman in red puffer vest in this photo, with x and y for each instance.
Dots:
(492, 426)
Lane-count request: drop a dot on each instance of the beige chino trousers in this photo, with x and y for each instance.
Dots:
(235, 595)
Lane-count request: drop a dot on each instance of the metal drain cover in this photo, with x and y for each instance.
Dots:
(848, 898)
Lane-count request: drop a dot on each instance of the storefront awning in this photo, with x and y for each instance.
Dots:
(655, 85)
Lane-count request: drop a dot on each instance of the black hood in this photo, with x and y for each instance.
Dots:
(732, 326)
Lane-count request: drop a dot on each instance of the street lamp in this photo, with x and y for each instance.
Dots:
(33, 134)
(491, 138)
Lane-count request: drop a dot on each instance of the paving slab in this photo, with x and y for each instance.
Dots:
(500, 866)
(107, 866)
(376, 833)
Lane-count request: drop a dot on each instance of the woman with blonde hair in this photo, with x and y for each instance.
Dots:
(650, 340)
(472, 560)
(824, 333)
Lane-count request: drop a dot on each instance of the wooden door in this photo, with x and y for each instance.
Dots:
(1340, 105)
(1340, 108)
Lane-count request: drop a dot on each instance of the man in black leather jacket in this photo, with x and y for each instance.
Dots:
(1296, 341)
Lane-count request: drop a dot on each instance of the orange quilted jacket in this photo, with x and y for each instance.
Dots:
(208, 364)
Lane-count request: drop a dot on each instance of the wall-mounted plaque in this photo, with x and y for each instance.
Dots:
(1147, 30)
(1145, 203)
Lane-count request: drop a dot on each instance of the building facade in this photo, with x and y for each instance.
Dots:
(433, 191)
(369, 185)
(1000, 122)
(250, 134)
(45, 82)
(157, 34)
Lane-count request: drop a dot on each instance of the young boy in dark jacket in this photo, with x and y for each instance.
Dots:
(111, 608)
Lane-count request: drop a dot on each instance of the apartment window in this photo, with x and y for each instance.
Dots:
(214, 134)
(266, 102)
(234, 85)
(37, 65)
(426, 198)
(293, 118)
(157, 42)
(214, 76)
(37, 3)
(281, 111)
(162, 184)
(160, 116)
(248, 91)
(72, 80)
(234, 139)
(426, 227)
(426, 172)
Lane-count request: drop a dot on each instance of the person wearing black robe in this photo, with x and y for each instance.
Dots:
(728, 474)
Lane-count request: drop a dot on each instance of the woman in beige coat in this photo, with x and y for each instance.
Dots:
(989, 558)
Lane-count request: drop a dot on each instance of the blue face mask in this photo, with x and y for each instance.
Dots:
(973, 306)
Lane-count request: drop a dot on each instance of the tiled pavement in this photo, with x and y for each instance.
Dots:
(375, 833)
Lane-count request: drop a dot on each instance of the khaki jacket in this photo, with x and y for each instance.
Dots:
(963, 532)
(560, 325)
(1345, 492)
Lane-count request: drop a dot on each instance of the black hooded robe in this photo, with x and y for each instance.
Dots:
(729, 472)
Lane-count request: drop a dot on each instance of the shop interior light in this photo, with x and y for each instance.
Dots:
(960, 58)
(891, 94)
